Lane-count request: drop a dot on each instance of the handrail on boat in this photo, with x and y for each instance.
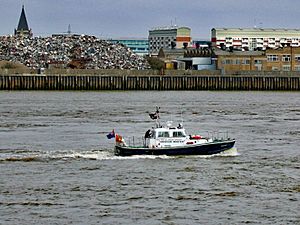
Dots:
(218, 135)
(136, 142)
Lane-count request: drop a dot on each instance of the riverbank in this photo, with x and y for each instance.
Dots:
(154, 82)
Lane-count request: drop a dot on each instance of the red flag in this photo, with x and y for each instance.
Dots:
(119, 138)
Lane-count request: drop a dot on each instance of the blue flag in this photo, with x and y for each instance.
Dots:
(111, 134)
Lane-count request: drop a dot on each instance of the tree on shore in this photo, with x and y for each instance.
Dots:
(156, 63)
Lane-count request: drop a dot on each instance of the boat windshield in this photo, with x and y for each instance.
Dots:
(178, 134)
(163, 134)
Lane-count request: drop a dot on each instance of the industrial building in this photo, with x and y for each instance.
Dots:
(201, 44)
(249, 39)
(139, 46)
(169, 38)
(188, 59)
(281, 59)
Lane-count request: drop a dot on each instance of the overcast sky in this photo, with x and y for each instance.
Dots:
(133, 18)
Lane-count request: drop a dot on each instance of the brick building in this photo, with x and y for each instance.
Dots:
(281, 59)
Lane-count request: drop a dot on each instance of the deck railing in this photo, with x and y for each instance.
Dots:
(218, 135)
(136, 141)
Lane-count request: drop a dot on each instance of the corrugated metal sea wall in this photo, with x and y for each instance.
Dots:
(94, 82)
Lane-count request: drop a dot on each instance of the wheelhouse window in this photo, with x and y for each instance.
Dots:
(163, 134)
(178, 134)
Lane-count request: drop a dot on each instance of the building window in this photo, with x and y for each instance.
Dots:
(286, 67)
(297, 68)
(297, 58)
(257, 61)
(272, 58)
(286, 58)
(246, 62)
(258, 68)
(228, 61)
(274, 68)
(236, 62)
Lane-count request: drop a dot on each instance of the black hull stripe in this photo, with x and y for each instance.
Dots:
(204, 149)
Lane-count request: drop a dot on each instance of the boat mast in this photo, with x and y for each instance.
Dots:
(157, 117)
(181, 116)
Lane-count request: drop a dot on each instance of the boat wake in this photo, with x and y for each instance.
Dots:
(44, 156)
(65, 155)
(230, 152)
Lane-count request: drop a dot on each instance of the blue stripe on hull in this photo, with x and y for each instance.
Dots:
(205, 149)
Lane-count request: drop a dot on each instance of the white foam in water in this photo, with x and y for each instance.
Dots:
(230, 152)
(96, 155)
(102, 155)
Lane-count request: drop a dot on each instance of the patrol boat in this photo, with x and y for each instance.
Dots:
(172, 140)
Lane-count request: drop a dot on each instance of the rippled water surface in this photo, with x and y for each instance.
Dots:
(57, 167)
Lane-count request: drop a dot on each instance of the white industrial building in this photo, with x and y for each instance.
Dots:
(254, 38)
(169, 38)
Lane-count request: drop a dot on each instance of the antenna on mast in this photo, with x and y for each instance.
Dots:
(181, 115)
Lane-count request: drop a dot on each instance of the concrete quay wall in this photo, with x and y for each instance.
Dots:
(157, 82)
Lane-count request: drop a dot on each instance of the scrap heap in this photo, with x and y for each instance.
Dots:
(74, 51)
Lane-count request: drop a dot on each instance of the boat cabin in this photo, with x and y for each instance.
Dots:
(167, 137)
(168, 133)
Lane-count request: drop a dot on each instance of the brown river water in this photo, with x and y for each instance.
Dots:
(58, 167)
